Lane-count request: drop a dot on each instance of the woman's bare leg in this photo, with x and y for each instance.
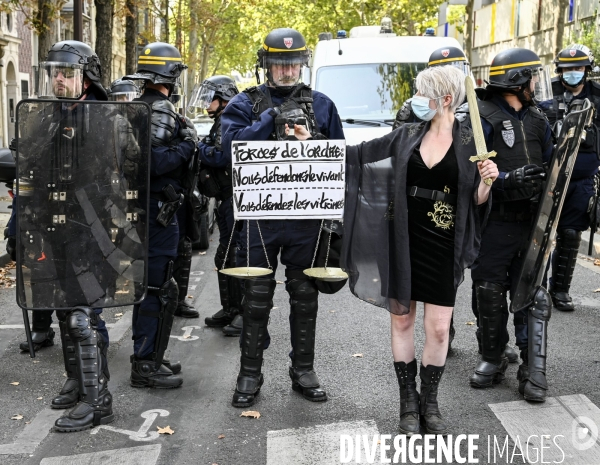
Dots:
(403, 335)
(437, 333)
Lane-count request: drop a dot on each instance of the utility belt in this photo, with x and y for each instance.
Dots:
(171, 201)
(437, 196)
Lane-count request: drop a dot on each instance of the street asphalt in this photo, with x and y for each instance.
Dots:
(353, 361)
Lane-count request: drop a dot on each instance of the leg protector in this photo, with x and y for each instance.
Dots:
(69, 394)
(181, 274)
(257, 303)
(167, 295)
(539, 315)
(491, 302)
(567, 248)
(224, 316)
(409, 397)
(95, 406)
(304, 306)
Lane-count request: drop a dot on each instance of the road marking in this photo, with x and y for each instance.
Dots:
(142, 434)
(196, 273)
(197, 279)
(569, 423)
(142, 455)
(318, 445)
(193, 287)
(34, 433)
(187, 334)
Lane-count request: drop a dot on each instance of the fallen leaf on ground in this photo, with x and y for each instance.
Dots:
(166, 430)
(17, 417)
(201, 253)
(221, 436)
(39, 398)
(215, 269)
(251, 414)
(186, 336)
(597, 290)
(274, 308)
(470, 323)
(331, 311)
(357, 355)
(36, 361)
(597, 262)
(280, 282)
(118, 314)
(190, 296)
(15, 383)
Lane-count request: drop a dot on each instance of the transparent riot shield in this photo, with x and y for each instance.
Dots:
(82, 203)
(551, 201)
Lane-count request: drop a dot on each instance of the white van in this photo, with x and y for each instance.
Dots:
(369, 76)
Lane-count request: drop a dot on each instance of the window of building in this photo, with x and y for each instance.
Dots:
(24, 89)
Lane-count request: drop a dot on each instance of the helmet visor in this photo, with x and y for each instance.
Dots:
(463, 66)
(541, 84)
(204, 96)
(284, 71)
(123, 96)
(60, 80)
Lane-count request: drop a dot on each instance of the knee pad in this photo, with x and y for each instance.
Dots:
(304, 296)
(80, 324)
(568, 238)
(542, 305)
(490, 297)
(258, 298)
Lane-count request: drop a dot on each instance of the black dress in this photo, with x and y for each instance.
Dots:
(431, 230)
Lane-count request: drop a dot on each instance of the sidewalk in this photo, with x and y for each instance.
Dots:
(5, 203)
(585, 241)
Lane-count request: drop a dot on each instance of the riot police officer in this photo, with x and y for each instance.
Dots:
(64, 271)
(572, 66)
(123, 90)
(215, 180)
(262, 113)
(522, 138)
(444, 56)
(173, 146)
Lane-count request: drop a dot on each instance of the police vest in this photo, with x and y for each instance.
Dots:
(302, 94)
(517, 143)
(216, 182)
(557, 111)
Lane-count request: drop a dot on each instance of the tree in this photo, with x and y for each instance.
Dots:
(468, 30)
(104, 32)
(131, 35)
(560, 10)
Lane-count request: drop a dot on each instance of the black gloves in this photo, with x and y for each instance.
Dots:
(187, 131)
(523, 177)
(286, 106)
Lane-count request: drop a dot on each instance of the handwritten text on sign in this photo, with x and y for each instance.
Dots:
(288, 179)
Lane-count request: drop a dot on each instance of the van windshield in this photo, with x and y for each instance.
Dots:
(373, 91)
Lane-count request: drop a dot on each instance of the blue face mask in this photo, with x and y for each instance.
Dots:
(573, 78)
(420, 107)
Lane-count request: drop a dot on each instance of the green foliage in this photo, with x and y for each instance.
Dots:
(456, 16)
(588, 36)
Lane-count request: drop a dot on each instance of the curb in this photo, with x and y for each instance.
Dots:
(4, 259)
(585, 241)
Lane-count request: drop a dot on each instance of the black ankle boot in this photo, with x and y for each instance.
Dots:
(144, 374)
(409, 397)
(175, 367)
(85, 415)
(68, 395)
(306, 382)
(247, 387)
(219, 319)
(234, 329)
(487, 374)
(431, 418)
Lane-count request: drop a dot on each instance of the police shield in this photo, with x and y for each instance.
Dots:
(551, 201)
(82, 203)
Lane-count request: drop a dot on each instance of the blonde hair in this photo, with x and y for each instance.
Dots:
(439, 81)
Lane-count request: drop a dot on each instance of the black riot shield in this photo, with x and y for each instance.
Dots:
(551, 201)
(82, 203)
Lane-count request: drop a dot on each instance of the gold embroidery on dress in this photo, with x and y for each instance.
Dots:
(443, 213)
(466, 135)
(414, 128)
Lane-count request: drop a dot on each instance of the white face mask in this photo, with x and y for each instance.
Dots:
(420, 107)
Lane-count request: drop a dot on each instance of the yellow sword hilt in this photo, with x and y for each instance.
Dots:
(483, 157)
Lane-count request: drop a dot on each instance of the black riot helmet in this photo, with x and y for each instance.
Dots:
(450, 56)
(574, 56)
(519, 71)
(67, 63)
(159, 63)
(284, 47)
(215, 87)
(123, 90)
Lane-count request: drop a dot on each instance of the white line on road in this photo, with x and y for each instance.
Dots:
(34, 433)
(193, 287)
(197, 279)
(567, 425)
(187, 334)
(196, 273)
(318, 445)
(143, 455)
(141, 434)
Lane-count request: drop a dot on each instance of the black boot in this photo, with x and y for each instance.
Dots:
(563, 266)
(69, 394)
(224, 316)
(42, 335)
(144, 374)
(304, 305)
(256, 305)
(510, 354)
(175, 367)
(234, 329)
(431, 418)
(491, 299)
(185, 310)
(95, 405)
(409, 397)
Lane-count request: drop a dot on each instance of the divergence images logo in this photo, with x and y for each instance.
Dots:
(584, 433)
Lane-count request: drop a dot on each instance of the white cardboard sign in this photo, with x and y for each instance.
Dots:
(288, 179)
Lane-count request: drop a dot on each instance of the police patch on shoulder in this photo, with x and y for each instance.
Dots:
(509, 137)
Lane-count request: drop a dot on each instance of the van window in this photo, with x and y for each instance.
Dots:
(368, 91)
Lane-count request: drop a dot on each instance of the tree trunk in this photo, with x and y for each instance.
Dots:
(45, 30)
(193, 49)
(178, 31)
(165, 20)
(468, 30)
(559, 25)
(104, 31)
(131, 32)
